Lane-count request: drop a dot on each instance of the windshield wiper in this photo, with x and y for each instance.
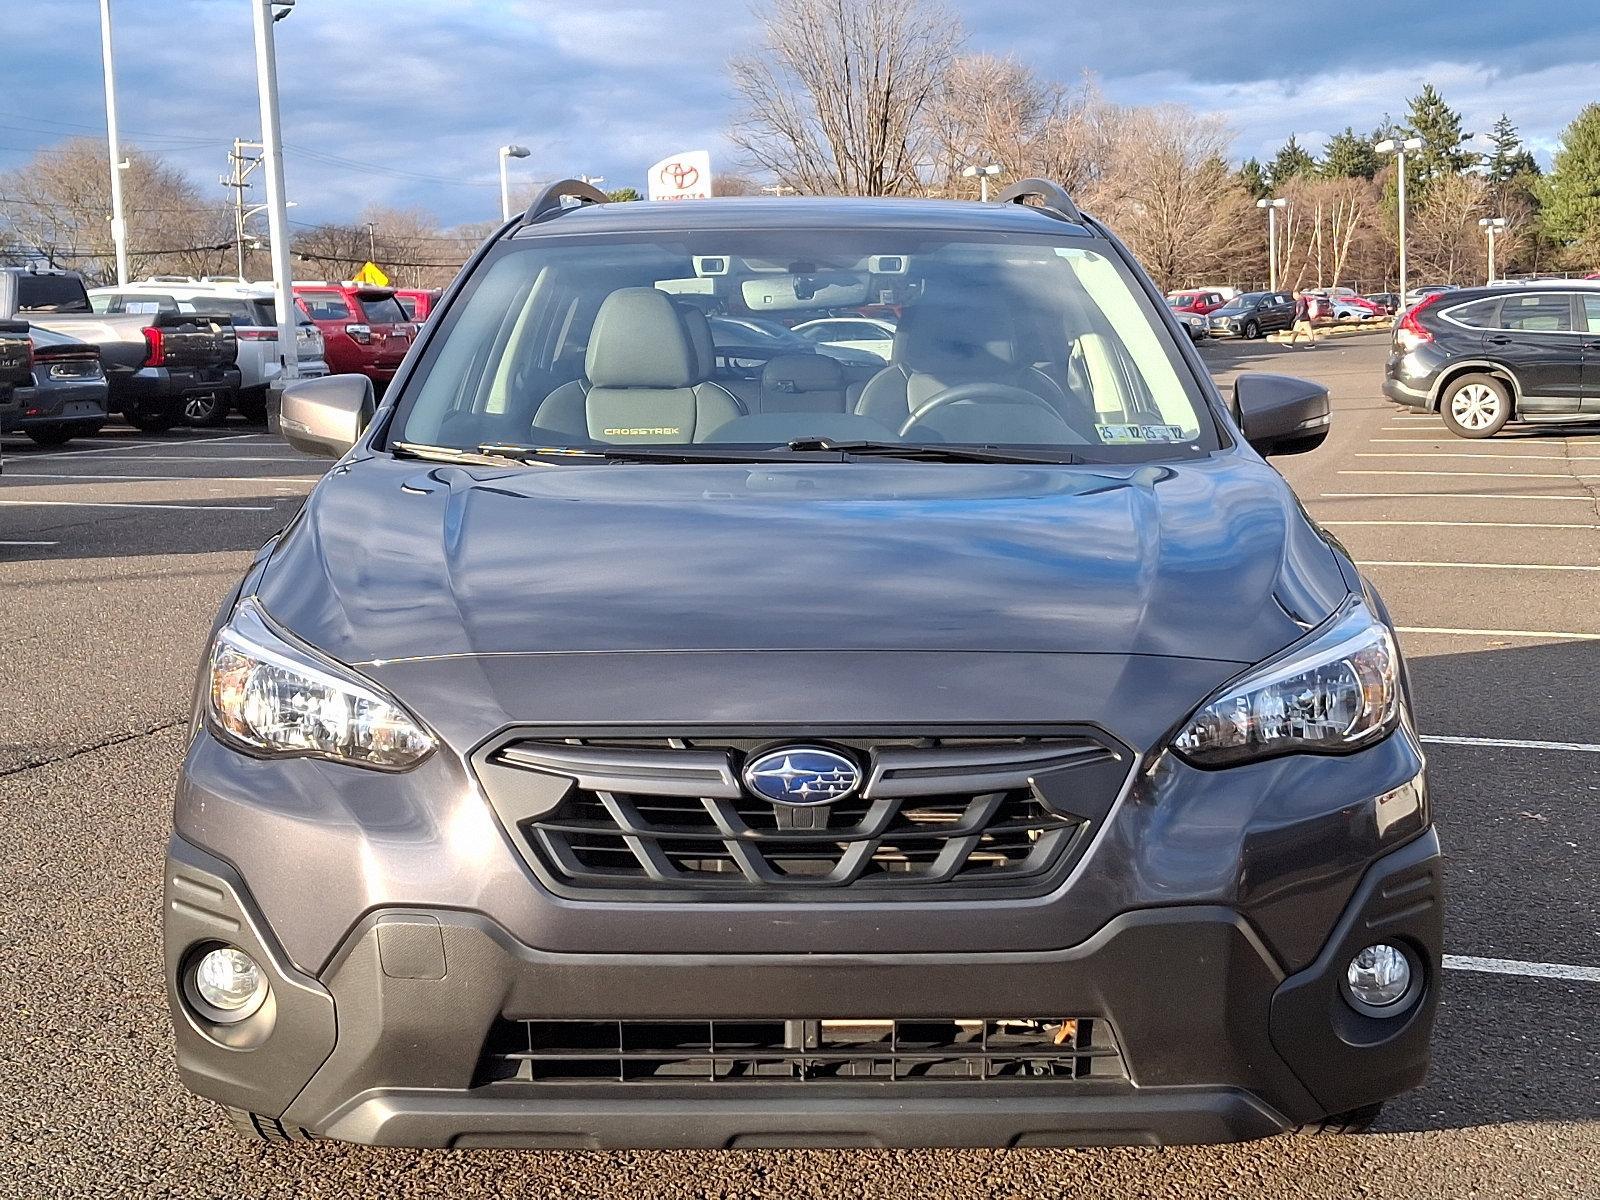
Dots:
(451, 454)
(673, 454)
(926, 452)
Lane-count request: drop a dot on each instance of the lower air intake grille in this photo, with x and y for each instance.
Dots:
(801, 1051)
(613, 815)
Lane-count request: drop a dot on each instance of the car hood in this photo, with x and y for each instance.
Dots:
(394, 559)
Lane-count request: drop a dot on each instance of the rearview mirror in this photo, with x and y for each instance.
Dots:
(325, 416)
(1280, 414)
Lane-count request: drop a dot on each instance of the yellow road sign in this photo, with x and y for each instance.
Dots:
(371, 273)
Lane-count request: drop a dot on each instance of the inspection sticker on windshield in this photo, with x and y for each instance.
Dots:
(1134, 435)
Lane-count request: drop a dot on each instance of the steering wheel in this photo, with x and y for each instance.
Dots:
(1004, 392)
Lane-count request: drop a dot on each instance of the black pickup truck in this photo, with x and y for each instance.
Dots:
(152, 363)
(16, 362)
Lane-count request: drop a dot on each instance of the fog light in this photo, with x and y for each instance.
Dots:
(227, 985)
(1379, 977)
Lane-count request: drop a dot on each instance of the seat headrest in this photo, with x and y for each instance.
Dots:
(705, 353)
(639, 341)
(949, 338)
(802, 373)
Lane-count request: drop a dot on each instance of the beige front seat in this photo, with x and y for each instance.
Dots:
(647, 382)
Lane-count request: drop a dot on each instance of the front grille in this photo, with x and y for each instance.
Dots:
(671, 814)
(801, 1051)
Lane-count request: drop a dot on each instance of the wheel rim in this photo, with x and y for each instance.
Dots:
(1476, 406)
(199, 408)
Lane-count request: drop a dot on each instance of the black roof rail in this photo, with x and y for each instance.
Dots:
(553, 199)
(1053, 195)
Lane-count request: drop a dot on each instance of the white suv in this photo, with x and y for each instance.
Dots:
(254, 325)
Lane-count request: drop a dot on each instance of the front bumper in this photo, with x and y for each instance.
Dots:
(1219, 1042)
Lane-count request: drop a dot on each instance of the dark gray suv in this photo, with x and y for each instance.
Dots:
(623, 747)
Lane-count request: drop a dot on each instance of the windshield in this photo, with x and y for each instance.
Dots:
(1239, 303)
(609, 343)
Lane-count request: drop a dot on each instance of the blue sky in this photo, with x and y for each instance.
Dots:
(404, 101)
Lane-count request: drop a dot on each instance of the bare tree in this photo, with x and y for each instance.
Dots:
(834, 100)
(57, 209)
(1445, 242)
(1167, 189)
(1321, 229)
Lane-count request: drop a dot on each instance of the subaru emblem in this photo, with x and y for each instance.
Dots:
(802, 776)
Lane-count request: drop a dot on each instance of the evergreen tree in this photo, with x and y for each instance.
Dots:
(1571, 192)
(1348, 155)
(1253, 177)
(1439, 127)
(1291, 160)
(622, 195)
(1509, 158)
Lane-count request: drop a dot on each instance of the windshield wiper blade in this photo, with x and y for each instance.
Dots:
(451, 454)
(928, 452)
(672, 454)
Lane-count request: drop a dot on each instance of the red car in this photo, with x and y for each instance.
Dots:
(1195, 300)
(418, 302)
(364, 329)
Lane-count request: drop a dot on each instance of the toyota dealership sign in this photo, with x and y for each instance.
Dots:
(685, 176)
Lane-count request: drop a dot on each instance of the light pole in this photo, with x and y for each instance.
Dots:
(263, 17)
(1272, 207)
(508, 152)
(119, 224)
(983, 175)
(372, 245)
(1492, 226)
(1398, 148)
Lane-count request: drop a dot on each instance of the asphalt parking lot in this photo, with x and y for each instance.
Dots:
(115, 551)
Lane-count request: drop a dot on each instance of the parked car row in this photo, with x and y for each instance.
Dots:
(170, 350)
(154, 363)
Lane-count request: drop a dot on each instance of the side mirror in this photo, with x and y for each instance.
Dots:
(1280, 414)
(325, 416)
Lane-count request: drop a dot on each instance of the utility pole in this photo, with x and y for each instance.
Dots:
(242, 165)
(372, 245)
(119, 223)
(263, 17)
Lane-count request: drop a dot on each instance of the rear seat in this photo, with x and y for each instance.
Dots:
(805, 383)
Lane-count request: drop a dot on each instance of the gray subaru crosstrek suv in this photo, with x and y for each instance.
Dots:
(638, 741)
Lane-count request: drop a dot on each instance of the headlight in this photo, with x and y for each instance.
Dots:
(272, 698)
(1338, 693)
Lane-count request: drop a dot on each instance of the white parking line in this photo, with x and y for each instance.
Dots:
(30, 543)
(1480, 474)
(124, 446)
(1478, 566)
(135, 504)
(1528, 970)
(1480, 524)
(1499, 633)
(1509, 743)
(1476, 454)
(1448, 496)
(205, 460)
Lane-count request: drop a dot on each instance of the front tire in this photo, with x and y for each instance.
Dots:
(253, 1127)
(1357, 1120)
(1476, 406)
(1251, 331)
